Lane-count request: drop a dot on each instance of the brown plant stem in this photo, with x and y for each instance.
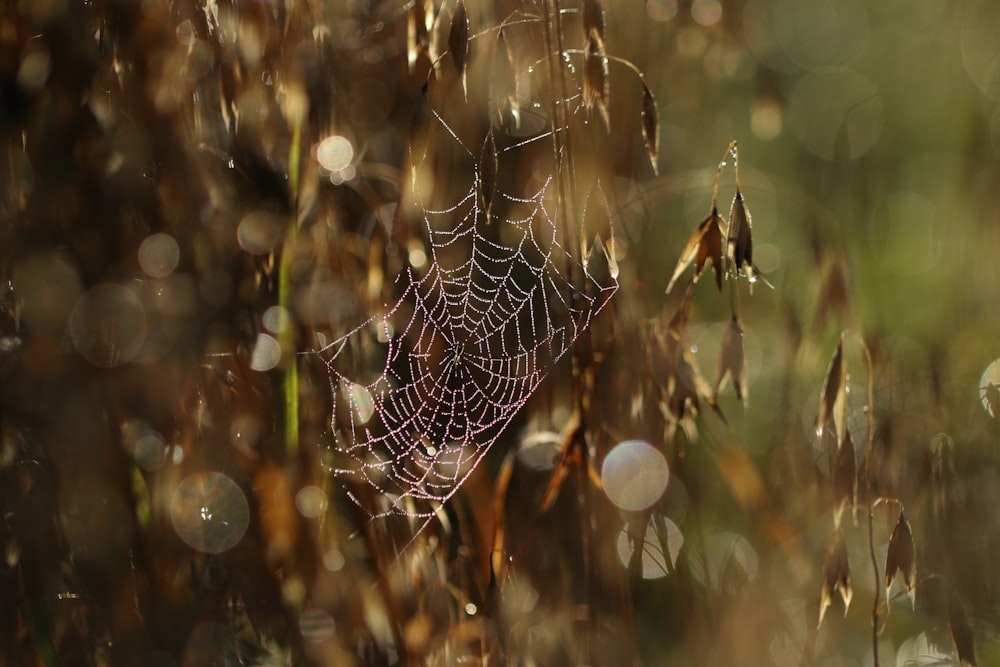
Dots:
(868, 496)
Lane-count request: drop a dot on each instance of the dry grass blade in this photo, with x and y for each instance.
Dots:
(833, 399)
(834, 298)
(593, 18)
(902, 557)
(732, 363)
(488, 167)
(845, 480)
(961, 633)
(651, 127)
(595, 79)
(418, 133)
(705, 245)
(836, 576)
(458, 42)
(509, 81)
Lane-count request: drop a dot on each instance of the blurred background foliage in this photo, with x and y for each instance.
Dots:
(195, 196)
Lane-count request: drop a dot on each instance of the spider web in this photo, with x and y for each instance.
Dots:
(464, 347)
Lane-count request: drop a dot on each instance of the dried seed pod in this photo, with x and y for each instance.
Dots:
(739, 238)
(739, 241)
(833, 398)
(458, 41)
(836, 576)
(595, 79)
(651, 127)
(593, 18)
(732, 362)
(902, 557)
(488, 167)
(845, 480)
(705, 245)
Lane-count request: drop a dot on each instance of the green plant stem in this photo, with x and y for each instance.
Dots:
(286, 337)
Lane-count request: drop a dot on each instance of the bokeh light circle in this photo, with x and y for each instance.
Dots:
(360, 400)
(266, 353)
(316, 625)
(159, 255)
(108, 325)
(311, 502)
(276, 319)
(634, 474)
(335, 153)
(259, 232)
(209, 512)
(334, 560)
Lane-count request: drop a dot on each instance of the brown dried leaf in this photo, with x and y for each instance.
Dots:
(845, 480)
(833, 398)
(595, 79)
(704, 245)
(836, 576)
(732, 362)
(902, 557)
(961, 632)
(458, 42)
(651, 127)
(593, 18)
(488, 167)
